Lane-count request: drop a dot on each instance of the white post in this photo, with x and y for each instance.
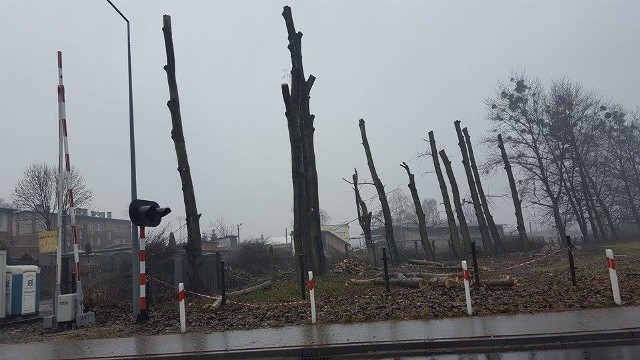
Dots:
(613, 274)
(183, 320)
(312, 297)
(467, 291)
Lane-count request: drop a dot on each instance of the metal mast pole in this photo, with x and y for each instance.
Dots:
(135, 245)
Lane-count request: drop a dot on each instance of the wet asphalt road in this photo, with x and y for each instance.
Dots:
(631, 352)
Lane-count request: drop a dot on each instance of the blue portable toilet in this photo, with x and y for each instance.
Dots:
(22, 290)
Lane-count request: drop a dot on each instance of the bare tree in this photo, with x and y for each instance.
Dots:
(495, 234)
(518, 111)
(306, 204)
(194, 240)
(517, 204)
(482, 224)
(453, 230)
(422, 225)
(36, 191)
(457, 202)
(325, 218)
(388, 222)
(364, 219)
(221, 228)
(431, 213)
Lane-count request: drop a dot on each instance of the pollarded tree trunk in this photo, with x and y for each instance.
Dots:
(495, 234)
(194, 248)
(517, 203)
(422, 224)
(482, 224)
(453, 230)
(298, 112)
(297, 177)
(464, 229)
(364, 219)
(388, 222)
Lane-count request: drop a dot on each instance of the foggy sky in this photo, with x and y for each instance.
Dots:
(406, 67)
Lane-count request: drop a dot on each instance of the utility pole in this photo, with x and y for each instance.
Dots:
(135, 245)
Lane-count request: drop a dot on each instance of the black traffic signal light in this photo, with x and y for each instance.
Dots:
(146, 213)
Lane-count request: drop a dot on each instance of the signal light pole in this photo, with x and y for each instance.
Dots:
(144, 213)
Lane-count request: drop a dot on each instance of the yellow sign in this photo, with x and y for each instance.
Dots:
(48, 241)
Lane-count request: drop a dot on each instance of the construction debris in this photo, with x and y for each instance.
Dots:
(351, 266)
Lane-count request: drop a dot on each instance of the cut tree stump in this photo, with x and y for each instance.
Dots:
(211, 307)
(425, 262)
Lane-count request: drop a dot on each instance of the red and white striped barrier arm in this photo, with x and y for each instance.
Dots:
(68, 185)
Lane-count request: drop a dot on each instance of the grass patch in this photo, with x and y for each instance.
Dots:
(326, 286)
(626, 248)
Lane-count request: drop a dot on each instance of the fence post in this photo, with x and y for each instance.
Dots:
(223, 283)
(386, 269)
(571, 266)
(375, 257)
(312, 297)
(183, 320)
(217, 260)
(467, 291)
(273, 263)
(613, 275)
(302, 285)
(474, 257)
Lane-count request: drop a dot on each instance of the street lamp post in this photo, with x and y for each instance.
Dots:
(135, 245)
(239, 232)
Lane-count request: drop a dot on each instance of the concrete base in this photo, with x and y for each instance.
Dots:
(86, 319)
(49, 322)
(82, 320)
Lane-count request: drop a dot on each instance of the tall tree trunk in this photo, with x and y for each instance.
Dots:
(298, 108)
(555, 198)
(464, 229)
(388, 222)
(482, 224)
(453, 230)
(590, 216)
(576, 206)
(605, 208)
(517, 203)
(495, 234)
(592, 212)
(364, 218)
(300, 237)
(194, 248)
(422, 224)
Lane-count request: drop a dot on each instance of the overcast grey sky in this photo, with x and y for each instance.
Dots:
(407, 67)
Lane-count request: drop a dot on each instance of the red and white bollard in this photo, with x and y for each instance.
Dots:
(467, 291)
(312, 297)
(183, 320)
(613, 274)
